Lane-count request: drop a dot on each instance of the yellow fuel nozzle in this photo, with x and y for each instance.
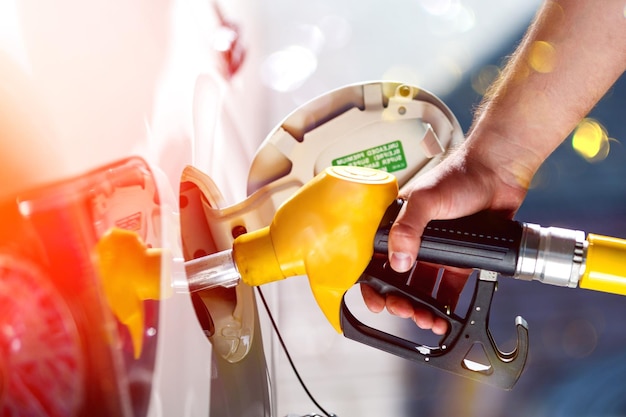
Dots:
(130, 273)
(605, 269)
(325, 231)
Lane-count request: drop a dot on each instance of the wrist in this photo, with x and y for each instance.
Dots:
(506, 166)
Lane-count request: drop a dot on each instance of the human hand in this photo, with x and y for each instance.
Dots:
(423, 279)
(462, 184)
(524, 116)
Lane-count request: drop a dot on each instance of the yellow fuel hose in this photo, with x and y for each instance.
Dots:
(605, 267)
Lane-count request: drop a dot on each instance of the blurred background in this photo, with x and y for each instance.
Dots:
(454, 48)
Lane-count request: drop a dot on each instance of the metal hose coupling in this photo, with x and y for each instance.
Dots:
(552, 255)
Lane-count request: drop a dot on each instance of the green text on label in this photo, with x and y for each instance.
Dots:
(388, 157)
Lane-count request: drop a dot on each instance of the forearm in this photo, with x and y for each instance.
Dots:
(571, 55)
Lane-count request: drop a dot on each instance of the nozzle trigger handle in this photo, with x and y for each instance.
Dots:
(453, 354)
(465, 334)
(480, 241)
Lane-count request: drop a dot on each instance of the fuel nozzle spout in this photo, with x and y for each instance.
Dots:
(216, 270)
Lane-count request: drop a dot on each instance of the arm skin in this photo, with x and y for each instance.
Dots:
(528, 112)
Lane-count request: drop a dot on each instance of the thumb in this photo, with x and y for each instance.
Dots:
(406, 232)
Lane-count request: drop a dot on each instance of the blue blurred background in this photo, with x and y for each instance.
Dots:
(577, 359)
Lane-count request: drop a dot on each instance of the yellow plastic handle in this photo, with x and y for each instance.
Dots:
(605, 268)
(325, 231)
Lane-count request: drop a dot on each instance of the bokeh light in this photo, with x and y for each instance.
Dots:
(450, 17)
(546, 176)
(484, 78)
(590, 140)
(580, 338)
(289, 68)
(403, 73)
(337, 31)
(439, 7)
(308, 36)
(542, 57)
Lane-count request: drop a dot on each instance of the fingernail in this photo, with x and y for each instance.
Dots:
(401, 262)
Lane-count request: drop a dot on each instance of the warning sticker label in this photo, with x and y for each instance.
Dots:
(388, 157)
